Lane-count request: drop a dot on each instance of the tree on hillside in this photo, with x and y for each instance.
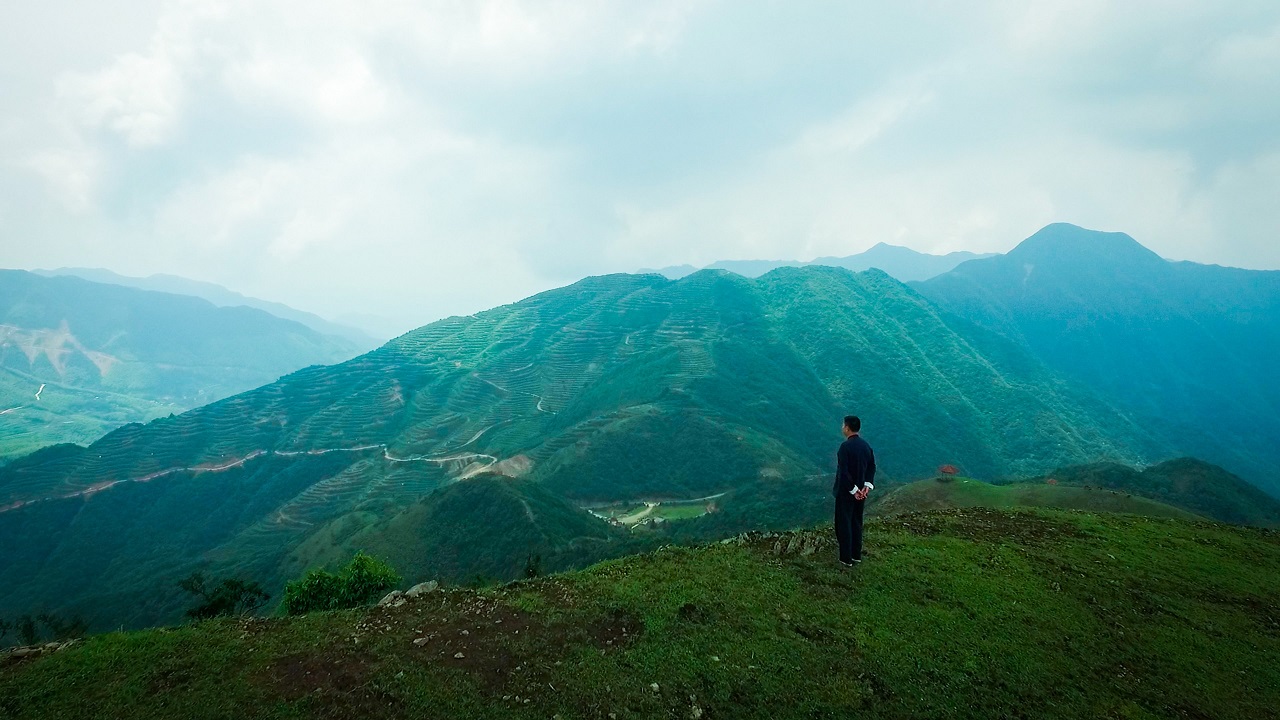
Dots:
(359, 583)
(232, 596)
(533, 566)
(33, 629)
(27, 630)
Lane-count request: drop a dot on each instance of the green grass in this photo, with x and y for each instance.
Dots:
(968, 492)
(680, 511)
(65, 414)
(959, 613)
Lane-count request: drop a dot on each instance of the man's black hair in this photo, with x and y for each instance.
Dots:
(853, 423)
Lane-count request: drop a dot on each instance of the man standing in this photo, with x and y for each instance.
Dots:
(855, 469)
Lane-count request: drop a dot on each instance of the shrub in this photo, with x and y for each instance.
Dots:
(361, 582)
(230, 597)
(28, 628)
(60, 629)
(533, 566)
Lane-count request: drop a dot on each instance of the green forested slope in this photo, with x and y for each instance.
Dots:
(1187, 483)
(1191, 349)
(955, 614)
(615, 388)
(935, 494)
(106, 355)
(1185, 487)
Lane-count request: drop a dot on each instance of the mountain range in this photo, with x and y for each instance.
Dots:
(222, 297)
(1189, 349)
(473, 442)
(79, 358)
(899, 262)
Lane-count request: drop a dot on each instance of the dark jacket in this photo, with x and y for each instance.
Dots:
(855, 466)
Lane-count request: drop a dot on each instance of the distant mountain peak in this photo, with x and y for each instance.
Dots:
(1066, 242)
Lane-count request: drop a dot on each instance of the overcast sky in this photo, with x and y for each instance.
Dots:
(413, 160)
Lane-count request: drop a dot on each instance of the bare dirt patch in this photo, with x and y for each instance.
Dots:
(299, 675)
(504, 648)
(986, 525)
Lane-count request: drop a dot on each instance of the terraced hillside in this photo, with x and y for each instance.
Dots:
(968, 613)
(618, 388)
(1191, 349)
(79, 358)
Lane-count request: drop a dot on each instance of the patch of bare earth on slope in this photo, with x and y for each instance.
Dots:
(508, 653)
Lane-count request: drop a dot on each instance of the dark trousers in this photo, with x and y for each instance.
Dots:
(849, 527)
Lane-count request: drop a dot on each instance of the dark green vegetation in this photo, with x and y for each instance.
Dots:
(361, 582)
(618, 388)
(108, 355)
(956, 614)
(44, 627)
(1185, 488)
(230, 597)
(1190, 350)
(488, 527)
(1186, 483)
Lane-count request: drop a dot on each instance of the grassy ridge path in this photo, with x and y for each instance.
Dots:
(959, 613)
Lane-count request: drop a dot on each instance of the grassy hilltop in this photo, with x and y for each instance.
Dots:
(957, 613)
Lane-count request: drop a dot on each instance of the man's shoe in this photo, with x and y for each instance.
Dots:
(846, 565)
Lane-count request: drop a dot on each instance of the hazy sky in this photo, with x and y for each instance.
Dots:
(419, 159)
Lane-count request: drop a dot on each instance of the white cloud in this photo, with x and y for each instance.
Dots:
(71, 174)
(421, 158)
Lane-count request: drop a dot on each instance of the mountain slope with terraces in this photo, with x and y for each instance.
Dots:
(616, 388)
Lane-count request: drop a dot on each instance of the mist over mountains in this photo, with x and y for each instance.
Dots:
(80, 358)
(899, 262)
(222, 297)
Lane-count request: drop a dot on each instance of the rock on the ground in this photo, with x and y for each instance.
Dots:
(390, 598)
(422, 588)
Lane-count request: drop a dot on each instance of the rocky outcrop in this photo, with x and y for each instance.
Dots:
(33, 651)
(422, 588)
(788, 543)
(396, 598)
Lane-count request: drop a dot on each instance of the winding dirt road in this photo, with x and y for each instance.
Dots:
(471, 470)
